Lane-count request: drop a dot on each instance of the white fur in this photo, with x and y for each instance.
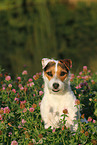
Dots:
(53, 103)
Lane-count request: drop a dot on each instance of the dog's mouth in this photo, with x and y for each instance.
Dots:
(55, 90)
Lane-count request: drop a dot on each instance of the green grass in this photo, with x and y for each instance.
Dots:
(20, 119)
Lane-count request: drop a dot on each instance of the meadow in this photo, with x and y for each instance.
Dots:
(20, 119)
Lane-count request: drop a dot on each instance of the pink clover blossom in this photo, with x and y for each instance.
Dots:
(14, 142)
(7, 78)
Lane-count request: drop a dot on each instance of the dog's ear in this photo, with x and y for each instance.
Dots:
(45, 61)
(67, 62)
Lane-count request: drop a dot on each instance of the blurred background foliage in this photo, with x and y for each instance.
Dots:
(33, 29)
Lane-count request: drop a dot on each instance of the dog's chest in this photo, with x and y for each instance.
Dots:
(56, 106)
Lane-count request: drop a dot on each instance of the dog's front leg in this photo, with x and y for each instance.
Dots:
(70, 120)
(51, 119)
(46, 114)
(48, 121)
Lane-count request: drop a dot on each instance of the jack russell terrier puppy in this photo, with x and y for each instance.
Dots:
(58, 95)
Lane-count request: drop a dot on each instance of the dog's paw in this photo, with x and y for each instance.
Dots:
(46, 126)
(75, 127)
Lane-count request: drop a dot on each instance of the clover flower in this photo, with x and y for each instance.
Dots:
(90, 99)
(65, 111)
(19, 79)
(34, 106)
(93, 82)
(84, 68)
(40, 93)
(63, 127)
(79, 77)
(31, 84)
(39, 103)
(82, 131)
(35, 77)
(22, 104)
(86, 78)
(83, 116)
(78, 87)
(20, 126)
(23, 121)
(8, 78)
(53, 130)
(33, 95)
(24, 72)
(31, 109)
(25, 110)
(9, 134)
(0, 117)
(72, 77)
(39, 73)
(89, 119)
(86, 133)
(10, 85)
(14, 142)
(6, 110)
(21, 88)
(94, 121)
(16, 99)
(3, 88)
(13, 90)
(80, 73)
(30, 80)
(77, 102)
(20, 85)
(1, 110)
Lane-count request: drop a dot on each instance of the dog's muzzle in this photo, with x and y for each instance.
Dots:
(55, 87)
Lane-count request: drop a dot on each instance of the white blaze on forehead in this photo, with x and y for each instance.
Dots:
(56, 67)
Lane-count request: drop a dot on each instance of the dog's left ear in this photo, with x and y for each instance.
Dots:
(45, 61)
(67, 62)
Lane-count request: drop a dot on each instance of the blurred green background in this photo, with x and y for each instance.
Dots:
(33, 29)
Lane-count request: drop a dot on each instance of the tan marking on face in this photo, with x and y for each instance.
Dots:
(49, 73)
(61, 73)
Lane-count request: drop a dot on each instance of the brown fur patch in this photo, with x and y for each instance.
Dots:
(67, 63)
(50, 69)
(61, 69)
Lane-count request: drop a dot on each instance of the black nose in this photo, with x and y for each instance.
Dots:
(55, 85)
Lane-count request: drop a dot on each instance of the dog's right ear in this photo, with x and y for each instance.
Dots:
(45, 61)
(67, 62)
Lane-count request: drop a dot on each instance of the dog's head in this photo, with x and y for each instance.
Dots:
(56, 74)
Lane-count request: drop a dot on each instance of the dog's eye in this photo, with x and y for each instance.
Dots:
(49, 73)
(62, 73)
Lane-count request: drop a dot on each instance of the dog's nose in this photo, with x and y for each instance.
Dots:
(55, 85)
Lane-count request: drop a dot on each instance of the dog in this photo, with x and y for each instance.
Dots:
(58, 95)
